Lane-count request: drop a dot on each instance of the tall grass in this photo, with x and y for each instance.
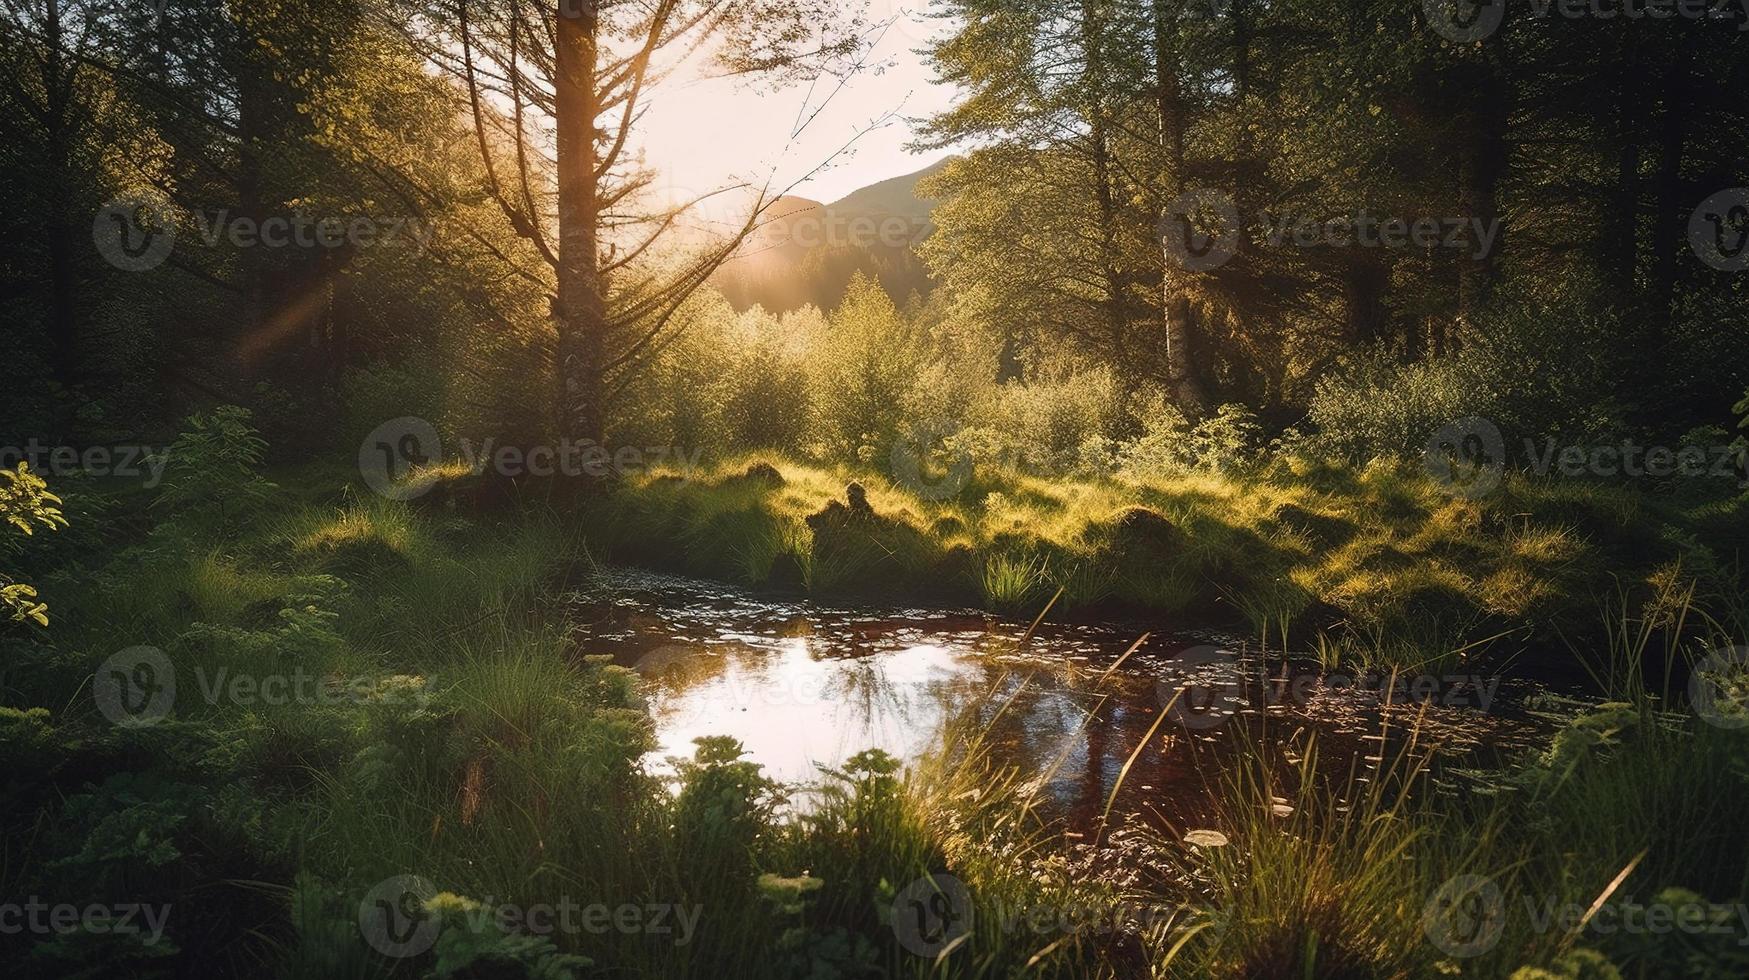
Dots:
(1012, 582)
(1290, 550)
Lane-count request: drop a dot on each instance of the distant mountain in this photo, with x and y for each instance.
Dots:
(807, 252)
(897, 196)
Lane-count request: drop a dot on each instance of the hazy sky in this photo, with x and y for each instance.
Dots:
(705, 134)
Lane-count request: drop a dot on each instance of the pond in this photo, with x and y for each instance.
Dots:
(803, 685)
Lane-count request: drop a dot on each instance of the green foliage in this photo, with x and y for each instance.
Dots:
(25, 504)
(809, 951)
(302, 628)
(1012, 583)
(1231, 439)
(1742, 443)
(1531, 372)
(723, 815)
(864, 374)
(29, 742)
(25, 501)
(128, 824)
(1579, 964)
(471, 943)
(212, 472)
(1713, 950)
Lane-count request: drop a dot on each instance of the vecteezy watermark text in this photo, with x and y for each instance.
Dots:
(815, 228)
(138, 687)
(1468, 457)
(1202, 230)
(402, 917)
(123, 462)
(399, 448)
(1467, 21)
(42, 918)
(137, 235)
(1468, 914)
(1473, 236)
(935, 913)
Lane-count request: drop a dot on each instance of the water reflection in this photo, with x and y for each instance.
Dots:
(804, 685)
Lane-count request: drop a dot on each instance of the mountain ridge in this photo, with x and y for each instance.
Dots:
(806, 252)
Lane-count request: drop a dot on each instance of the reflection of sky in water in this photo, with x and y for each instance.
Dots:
(792, 709)
(802, 685)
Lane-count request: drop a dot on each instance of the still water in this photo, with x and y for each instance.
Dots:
(803, 685)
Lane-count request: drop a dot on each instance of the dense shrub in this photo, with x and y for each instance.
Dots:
(1536, 370)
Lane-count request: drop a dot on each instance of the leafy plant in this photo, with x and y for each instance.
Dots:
(724, 813)
(25, 503)
(1228, 440)
(305, 628)
(212, 472)
(1742, 443)
(472, 944)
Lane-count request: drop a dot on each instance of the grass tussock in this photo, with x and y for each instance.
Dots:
(1291, 551)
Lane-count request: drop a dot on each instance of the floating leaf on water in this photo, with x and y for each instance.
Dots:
(1206, 838)
(1281, 810)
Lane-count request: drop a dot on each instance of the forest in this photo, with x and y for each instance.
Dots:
(837, 489)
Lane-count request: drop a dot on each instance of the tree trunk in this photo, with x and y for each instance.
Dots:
(1668, 215)
(1619, 245)
(1482, 164)
(252, 136)
(1093, 28)
(63, 288)
(1116, 300)
(1364, 296)
(580, 315)
(1175, 307)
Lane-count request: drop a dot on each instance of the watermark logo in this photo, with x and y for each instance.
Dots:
(1468, 21)
(306, 231)
(134, 234)
(933, 915)
(1472, 236)
(1206, 686)
(138, 687)
(1467, 457)
(142, 463)
(820, 227)
(393, 918)
(137, 235)
(41, 918)
(1465, 917)
(1464, 21)
(1718, 230)
(1719, 688)
(403, 917)
(395, 449)
(1718, 461)
(930, 467)
(135, 688)
(1200, 230)
(1202, 687)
